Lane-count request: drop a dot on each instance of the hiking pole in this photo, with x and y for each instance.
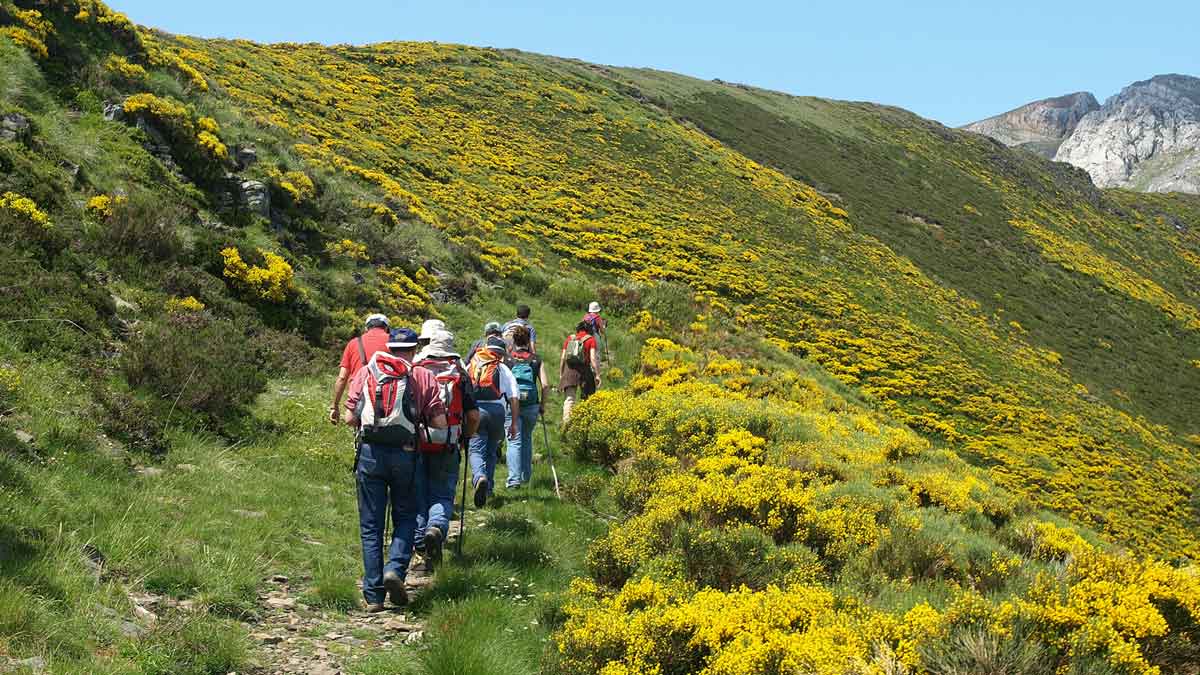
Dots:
(550, 455)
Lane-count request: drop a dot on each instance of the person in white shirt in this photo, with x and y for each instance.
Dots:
(493, 385)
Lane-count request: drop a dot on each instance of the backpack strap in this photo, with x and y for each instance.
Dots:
(362, 350)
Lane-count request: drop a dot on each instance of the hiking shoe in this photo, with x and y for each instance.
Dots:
(481, 493)
(394, 586)
(433, 546)
(374, 607)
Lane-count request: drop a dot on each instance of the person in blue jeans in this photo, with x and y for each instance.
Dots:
(532, 385)
(440, 454)
(493, 384)
(386, 465)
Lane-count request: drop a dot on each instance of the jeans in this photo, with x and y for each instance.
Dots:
(386, 476)
(486, 441)
(520, 449)
(437, 477)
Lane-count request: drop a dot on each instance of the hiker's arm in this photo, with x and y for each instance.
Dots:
(472, 425)
(562, 366)
(514, 405)
(596, 365)
(339, 388)
(545, 381)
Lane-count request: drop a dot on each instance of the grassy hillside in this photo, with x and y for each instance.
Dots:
(862, 379)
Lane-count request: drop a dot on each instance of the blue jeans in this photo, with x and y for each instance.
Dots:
(520, 450)
(386, 477)
(486, 441)
(437, 477)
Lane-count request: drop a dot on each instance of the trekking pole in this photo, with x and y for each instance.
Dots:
(550, 455)
(462, 505)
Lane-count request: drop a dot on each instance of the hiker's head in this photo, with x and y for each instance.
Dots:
(520, 336)
(582, 327)
(428, 329)
(376, 321)
(403, 342)
(441, 345)
(523, 312)
(492, 328)
(594, 308)
(497, 344)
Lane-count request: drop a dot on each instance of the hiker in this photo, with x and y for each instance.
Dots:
(596, 324)
(392, 403)
(439, 455)
(493, 385)
(428, 328)
(579, 368)
(490, 329)
(532, 385)
(356, 354)
(521, 320)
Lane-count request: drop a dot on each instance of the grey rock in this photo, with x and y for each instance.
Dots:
(1040, 126)
(23, 436)
(1147, 137)
(249, 514)
(245, 156)
(149, 471)
(36, 664)
(255, 196)
(114, 112)
(15, 127)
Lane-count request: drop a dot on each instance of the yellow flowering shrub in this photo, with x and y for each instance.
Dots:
(296, 184)
(403, 296)
(184, 305)
(102, 207)
(23, 211)
(273, 283)
(124, 68)
(348, 249)
(29, 30)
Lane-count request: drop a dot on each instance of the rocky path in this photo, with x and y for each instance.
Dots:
(291, 637)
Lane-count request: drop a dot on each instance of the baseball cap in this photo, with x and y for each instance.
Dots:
(497, 344)
(377, 320)
(402, 338)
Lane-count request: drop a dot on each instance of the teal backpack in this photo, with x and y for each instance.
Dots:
(526, 367)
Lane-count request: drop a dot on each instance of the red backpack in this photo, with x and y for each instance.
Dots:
(450, 379)
(387, 411)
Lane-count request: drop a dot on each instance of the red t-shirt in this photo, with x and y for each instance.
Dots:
(374, 340)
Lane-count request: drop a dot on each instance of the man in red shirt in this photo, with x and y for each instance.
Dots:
(356, 354)
(386, 474)
(579, 368)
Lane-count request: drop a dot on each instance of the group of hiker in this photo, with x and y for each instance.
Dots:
(416, 404)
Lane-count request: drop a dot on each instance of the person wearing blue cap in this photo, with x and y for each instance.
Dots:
(393, 404)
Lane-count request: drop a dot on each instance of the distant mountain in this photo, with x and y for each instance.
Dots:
(1145, 138)
(1040, 126)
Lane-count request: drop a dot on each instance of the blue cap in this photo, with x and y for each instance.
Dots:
(497, 344)
(402, 338)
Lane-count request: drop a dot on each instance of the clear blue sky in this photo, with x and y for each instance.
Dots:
(952, 61)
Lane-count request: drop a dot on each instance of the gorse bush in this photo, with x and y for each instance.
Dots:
(205, 365)
(741, 552)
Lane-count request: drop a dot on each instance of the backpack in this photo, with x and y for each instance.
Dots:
(594, 321)
(450, 380)
(387, 408)
(484, 372)
(577, 351)
(527, 369)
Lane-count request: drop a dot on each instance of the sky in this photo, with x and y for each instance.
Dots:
(955, 62)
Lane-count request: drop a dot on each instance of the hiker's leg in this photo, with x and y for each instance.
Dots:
(495, 435)
(424, 498)
(402, 480)
(568, 402)
(477, 449)
(529, 419)
(443, 479)
(372, 509)
(513, 456)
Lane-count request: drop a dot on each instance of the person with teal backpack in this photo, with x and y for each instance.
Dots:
(532, 385)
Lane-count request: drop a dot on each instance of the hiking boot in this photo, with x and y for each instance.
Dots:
(433, 546)
(394, 586)
(481, 493)
(374, 607)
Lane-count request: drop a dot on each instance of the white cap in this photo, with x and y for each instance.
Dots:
(377, 317)
(594, 307)
(431, 327)
(441, 345)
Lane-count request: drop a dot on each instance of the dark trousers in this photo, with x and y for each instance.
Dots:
(386, 479)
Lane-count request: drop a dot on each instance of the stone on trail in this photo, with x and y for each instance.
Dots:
(23, 436)
(250, 514)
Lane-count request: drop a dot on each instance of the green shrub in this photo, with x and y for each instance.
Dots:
(974, 650)
(670, 302)
(584, 489)
(201, 364)
(190, 645)
(144, 227)
(726, 558)
(570, 294)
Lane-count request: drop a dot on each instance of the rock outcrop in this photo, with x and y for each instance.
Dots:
(1147, 137)
(1040, 126)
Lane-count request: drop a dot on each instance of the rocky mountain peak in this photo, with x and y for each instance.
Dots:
(1040, 126)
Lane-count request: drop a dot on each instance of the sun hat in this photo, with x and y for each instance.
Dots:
(594, 307)
(430, 327)
(376, 320)
(493, 328)
(402, 338)
(441, 345)
(497, 344)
